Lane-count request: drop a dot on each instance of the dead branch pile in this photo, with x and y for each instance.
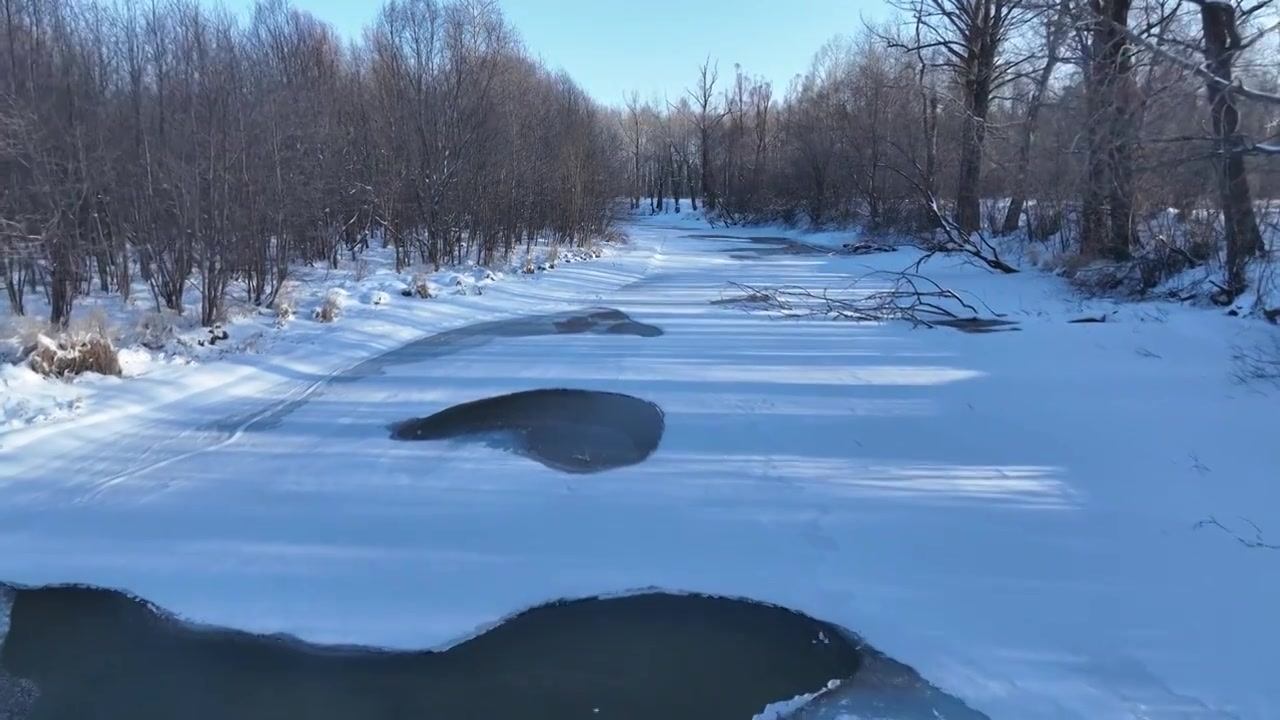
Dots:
(905, 296)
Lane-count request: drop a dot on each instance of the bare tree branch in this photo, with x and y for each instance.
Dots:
(1254, 542)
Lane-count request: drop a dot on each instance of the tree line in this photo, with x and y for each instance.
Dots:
(1119, 129)
(186, 145)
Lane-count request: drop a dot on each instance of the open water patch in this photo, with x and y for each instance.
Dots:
(91, 654)
(592, 321)
(746, 247)
(570, 430)
(978, 326)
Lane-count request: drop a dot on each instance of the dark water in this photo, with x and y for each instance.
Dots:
(885, 689)
(597, 321)
(575, 431)
(978, 326)
(762, 246)
(94, 654)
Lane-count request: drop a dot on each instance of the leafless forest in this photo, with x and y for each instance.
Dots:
(166, 141)
(196, 146)
(1117, 132)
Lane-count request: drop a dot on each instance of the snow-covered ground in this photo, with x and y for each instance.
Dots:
(372, 315)
(1018, 515)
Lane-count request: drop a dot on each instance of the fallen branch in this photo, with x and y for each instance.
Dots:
(908, 296)
(954, 239)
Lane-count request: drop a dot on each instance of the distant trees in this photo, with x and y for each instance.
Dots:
(182, 144)
(1119, 129)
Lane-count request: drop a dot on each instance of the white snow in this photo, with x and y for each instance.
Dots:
(28, 399)
(1013, 514)
(784, 709)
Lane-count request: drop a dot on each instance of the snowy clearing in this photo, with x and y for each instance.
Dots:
(1047, 522)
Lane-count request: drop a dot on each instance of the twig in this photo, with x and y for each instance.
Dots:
(1257, 542)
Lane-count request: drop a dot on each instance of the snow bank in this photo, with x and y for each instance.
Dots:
(29, 399)
(156, 344)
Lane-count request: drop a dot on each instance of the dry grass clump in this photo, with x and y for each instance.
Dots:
(421, 287)
(155, 329)
(329, 309)
(68, 356)
(285, 302)
(613, 235)
(362, 270)
(87, 346)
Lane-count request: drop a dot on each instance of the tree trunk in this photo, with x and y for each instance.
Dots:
(969, 191)
(708, 185)
(1221, 41)
(1031, 122)
(929, 118)
(693, 195)
(979, 67)
(1107, 222)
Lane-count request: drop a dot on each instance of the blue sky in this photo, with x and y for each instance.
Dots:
(654, 46)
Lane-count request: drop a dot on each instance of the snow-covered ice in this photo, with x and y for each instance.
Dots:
(1024, 517)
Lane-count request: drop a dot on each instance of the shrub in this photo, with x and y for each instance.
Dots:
(329, 309)
(284, 302)
(68, 357)
(1044, 221)
(613, 235)
(362, 270)
(421, 287)
(155, 330)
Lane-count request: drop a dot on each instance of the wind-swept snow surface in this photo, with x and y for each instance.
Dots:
(1051, 521)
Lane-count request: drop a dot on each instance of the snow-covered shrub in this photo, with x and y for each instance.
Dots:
(461, 285)
(1176, 256)
(422, 287)
(67, 356)
(330, 309)
(155, 330)
(285, 302)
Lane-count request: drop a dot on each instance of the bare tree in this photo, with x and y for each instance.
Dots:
(1222, 44)
(707, 118)
(972, 37)
(1107, 226)
(206, 149)
(1056, 25)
